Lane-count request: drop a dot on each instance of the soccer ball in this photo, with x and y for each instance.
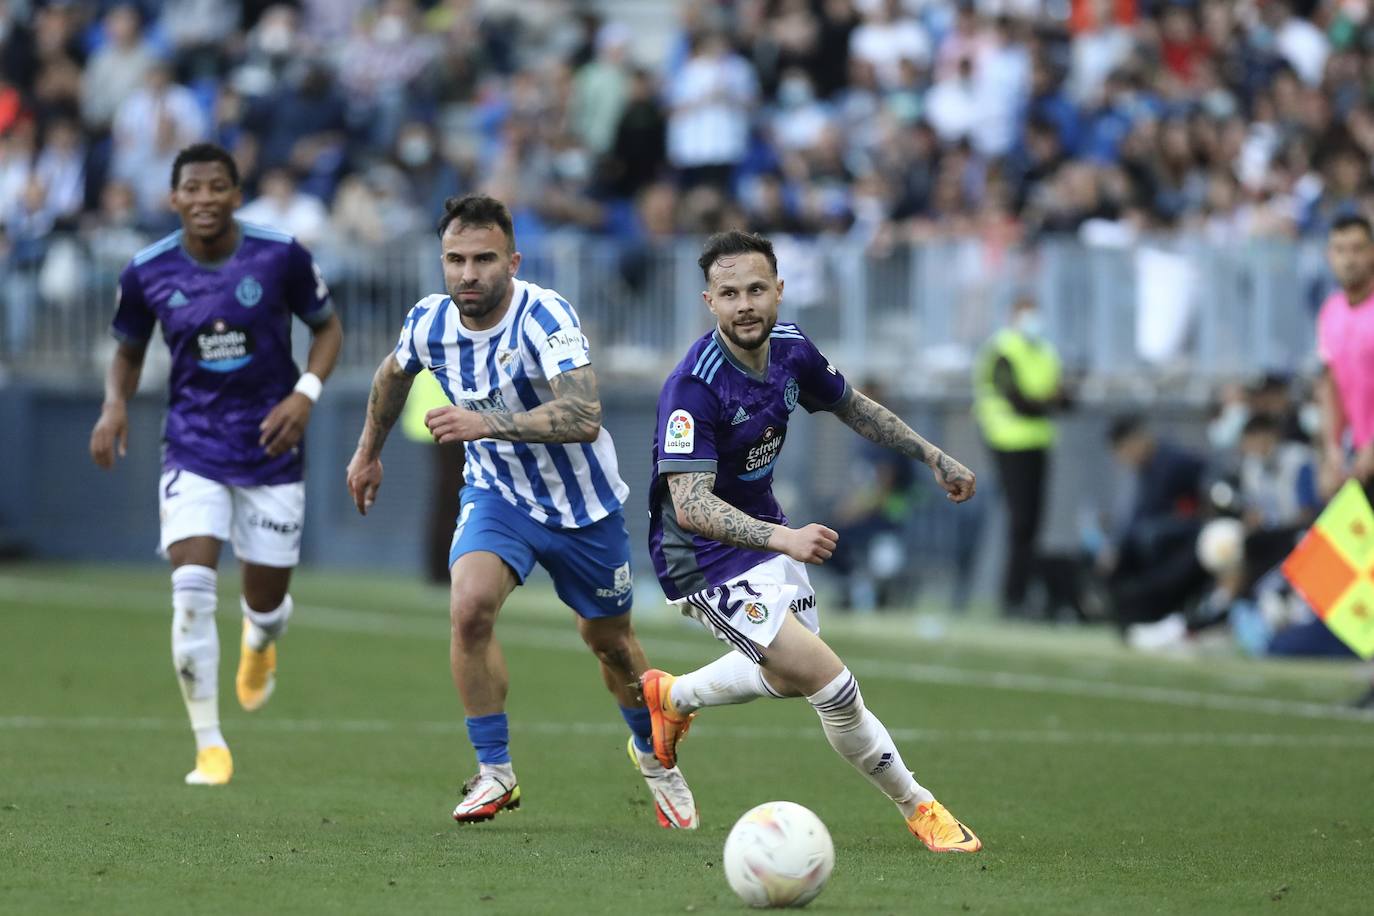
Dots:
(778, 854)
(1221, 545)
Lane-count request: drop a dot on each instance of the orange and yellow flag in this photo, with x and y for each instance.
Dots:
(1333, 568)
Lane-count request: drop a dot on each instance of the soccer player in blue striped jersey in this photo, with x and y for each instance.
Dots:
(542, 486)
(722, 547)
(223, 292)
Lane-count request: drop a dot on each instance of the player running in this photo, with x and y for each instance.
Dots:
(721, 545)
(542, 486)
(237, 407)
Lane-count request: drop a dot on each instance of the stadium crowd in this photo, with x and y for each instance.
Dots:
(885, 119)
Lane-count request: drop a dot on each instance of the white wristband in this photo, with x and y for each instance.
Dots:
(309, 384)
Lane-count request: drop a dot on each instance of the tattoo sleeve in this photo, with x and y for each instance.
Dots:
(390, 386)
(877, 424)
(574, 414)
(703, 512)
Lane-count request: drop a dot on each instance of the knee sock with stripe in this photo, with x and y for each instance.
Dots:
(858, 736)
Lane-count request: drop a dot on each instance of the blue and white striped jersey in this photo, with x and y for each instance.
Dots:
(508, 367)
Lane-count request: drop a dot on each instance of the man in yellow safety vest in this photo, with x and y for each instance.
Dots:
(1017, 385)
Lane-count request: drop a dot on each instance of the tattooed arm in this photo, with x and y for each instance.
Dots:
(702, 512)
(390, 386)
(574, 415)
(877, 424)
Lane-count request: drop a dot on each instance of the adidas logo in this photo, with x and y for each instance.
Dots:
(178, 300)
(740, 417)
(884, 762)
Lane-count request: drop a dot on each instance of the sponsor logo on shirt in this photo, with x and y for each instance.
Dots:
(224, 347)
(790, 394)
(680, 435)
(620, 586)
(741, 416)
(483, 402)
(248, 292)
(177, 300)
(759, 461)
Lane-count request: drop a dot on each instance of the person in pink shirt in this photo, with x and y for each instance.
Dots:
(1345, 343)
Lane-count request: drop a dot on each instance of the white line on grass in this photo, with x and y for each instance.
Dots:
(707, 730)
(561, 637)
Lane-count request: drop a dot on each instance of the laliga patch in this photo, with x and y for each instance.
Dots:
(680, 435)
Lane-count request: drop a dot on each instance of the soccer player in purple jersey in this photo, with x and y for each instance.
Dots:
(722, 547)
(237, 407)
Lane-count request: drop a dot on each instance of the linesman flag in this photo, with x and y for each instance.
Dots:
(1333, 568)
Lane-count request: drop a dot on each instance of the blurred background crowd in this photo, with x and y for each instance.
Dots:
(1213, 125)
(885, 119)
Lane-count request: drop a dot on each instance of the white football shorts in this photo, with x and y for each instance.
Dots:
(262, 523)
(747, 612)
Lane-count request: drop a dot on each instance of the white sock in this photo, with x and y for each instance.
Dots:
(195, 650)
(858, 736)
(502, 771)
(730, 679)
(265, 627)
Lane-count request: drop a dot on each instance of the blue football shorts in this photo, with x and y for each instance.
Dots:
(590, 566)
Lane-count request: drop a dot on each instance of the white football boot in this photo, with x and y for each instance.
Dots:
(673, 801)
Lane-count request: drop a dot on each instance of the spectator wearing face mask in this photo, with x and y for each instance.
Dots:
(1018, 385)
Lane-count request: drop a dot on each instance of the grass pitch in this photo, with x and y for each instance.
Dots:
(1099, 781)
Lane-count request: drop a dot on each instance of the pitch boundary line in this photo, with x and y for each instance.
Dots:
(707, 730)
(563, 638)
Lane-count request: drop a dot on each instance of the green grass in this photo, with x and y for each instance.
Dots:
(1099, 781)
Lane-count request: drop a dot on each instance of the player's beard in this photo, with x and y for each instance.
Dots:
(480, 307)
(757, 334)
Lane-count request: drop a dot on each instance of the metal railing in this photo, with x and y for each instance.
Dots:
(914, 315)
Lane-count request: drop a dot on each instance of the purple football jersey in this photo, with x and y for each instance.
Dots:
(228, 327)
(716, 415)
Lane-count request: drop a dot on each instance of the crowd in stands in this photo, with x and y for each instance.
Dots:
(887, 120)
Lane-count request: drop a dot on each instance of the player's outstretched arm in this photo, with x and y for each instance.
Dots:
(877, 424)
(110, 437)
(702, 512)
(390, 386)
(572, 415)
(281, 430)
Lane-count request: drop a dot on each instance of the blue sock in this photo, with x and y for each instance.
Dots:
(490, 735)
(637, 717)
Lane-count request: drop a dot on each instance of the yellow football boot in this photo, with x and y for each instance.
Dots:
(214, 767)
(941, 831)
(257, 675)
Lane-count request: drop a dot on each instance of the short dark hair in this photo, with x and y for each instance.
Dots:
(1260, 423)
(1351, 221)
(735, 241)
(1124, 427)
(205, 152)
(477, 210)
